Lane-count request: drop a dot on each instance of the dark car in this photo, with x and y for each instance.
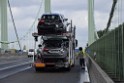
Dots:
(52, 24)
(54, 53)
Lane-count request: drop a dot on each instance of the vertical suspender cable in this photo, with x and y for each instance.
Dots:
(14, 25)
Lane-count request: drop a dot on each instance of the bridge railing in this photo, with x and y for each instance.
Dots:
(110, 53)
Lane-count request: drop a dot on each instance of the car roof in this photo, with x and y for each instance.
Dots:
(52, 14)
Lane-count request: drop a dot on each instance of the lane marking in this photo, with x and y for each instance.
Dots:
(12, 73)
(1, 69)
(84, 76)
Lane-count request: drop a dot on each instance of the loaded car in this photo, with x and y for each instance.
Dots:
(51, 24)
(54, 54)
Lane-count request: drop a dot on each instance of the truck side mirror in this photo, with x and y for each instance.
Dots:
(39, 45)
(65, 19)
(39, 19)
(36, 38)
(76, 43)
(35, 35)
(68, 24)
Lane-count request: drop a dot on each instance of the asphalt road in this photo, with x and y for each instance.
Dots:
(29, 75)
(47, 76)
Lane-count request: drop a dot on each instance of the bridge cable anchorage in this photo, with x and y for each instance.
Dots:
(14, 24)
(111, 15)
(30, 29)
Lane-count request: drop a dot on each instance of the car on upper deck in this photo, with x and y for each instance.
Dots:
(52, 24)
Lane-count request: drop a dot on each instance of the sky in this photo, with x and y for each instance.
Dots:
(25, 12)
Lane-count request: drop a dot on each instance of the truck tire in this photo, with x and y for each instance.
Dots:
(73, 65)
(68, 68)
(37, 69)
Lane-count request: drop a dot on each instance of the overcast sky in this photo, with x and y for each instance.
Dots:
(25, 12)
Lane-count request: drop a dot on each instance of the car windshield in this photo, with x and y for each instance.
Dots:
(50, 17)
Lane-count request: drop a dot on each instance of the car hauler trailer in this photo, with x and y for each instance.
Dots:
(57, 50)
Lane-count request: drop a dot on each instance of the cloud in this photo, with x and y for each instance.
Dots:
(101, 21)
(24, 3)
(103, 6)
(82, 36)
(20, 13)
(69, 5)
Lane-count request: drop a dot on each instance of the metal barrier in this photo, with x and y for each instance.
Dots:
(110, 53)
(96, 74)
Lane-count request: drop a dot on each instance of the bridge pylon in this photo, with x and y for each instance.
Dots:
(3, 23)
(92, 34)
(47, 6)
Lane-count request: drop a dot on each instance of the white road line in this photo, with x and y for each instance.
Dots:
(9, 74)
(84, 76)
(1, 69)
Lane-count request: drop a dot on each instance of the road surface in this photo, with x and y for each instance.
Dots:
(29, 75)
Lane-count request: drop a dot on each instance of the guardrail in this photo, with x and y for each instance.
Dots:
(110, 53)
(97, 75)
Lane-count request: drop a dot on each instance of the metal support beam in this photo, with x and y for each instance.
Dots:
(47, 6)
(4, 23)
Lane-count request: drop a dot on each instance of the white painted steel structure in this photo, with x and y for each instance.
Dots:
(92, 34)
(47, 7)
(3, 23)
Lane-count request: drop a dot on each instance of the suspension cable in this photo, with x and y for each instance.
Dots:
(30, 29)
(111, 15)
(14, 25)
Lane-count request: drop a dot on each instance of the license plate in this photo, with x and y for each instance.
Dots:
(39, 64)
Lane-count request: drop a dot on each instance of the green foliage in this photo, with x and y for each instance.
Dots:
(100, 33)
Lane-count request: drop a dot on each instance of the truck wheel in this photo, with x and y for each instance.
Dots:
(68, 68)
(73, 65)
(38, 69)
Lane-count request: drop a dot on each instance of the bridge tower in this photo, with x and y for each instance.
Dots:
(92, 34)
(47, 6)
(3, 23)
